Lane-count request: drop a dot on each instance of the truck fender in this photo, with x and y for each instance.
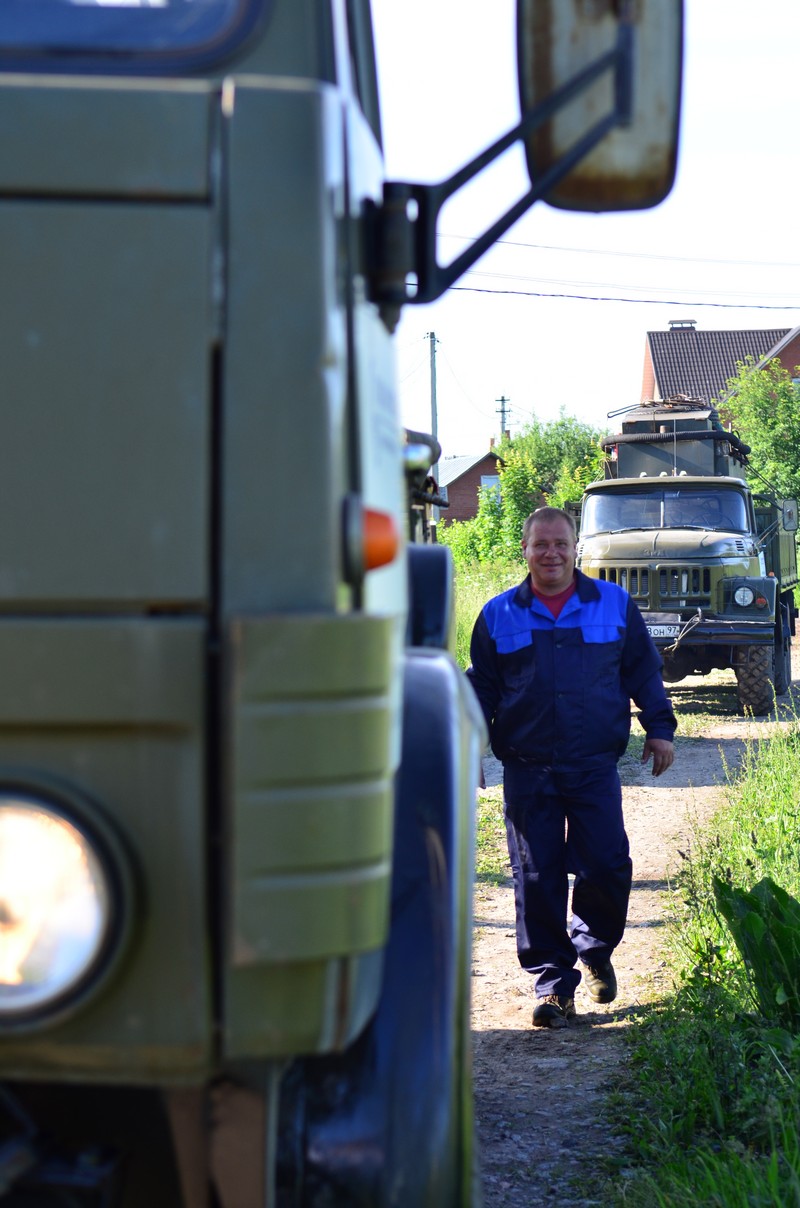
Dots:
(767, 587)
(389, 1121)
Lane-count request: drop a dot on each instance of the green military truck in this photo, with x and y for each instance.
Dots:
(237, 759)
(710, 561)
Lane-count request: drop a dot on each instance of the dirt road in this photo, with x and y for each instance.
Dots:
(540, 1094)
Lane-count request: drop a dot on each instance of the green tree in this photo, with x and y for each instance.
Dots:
(764, 405)
(550, 447)
(546, 463)
(520, 493)
(573, 480)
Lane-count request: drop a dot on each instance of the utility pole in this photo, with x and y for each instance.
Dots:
(502, 410)
(434, 412)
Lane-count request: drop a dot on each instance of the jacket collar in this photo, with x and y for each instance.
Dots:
(585, 588)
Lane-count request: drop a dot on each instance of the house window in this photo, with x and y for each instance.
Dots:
(490, 482)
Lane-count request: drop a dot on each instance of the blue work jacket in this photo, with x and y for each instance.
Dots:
(557, 692)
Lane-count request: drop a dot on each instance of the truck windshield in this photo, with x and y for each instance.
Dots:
(609, 512)
(70, 29)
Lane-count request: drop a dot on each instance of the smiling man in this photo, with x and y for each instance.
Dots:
(555, 664)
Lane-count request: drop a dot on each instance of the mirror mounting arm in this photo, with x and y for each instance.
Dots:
(402, 230)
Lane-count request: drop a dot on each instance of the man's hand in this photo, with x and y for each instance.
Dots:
(662, 752)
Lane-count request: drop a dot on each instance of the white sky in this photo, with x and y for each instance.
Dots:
(726, 234)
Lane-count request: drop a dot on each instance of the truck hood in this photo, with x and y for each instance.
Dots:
(679, 544)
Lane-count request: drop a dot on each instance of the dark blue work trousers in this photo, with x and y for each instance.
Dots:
(561, 822)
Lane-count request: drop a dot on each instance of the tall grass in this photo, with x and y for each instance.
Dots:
(491, 854)
(475, 584)
(713, 1113)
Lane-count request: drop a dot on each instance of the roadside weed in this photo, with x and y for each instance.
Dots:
(713, 1115)
(491, 853)
(473, 587)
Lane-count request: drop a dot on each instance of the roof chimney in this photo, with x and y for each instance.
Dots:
(682, 324)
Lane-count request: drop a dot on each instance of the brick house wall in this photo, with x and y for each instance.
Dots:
(648, 376)
(462, 492)
(789, 355)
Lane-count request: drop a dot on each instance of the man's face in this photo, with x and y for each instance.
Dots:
(550, 554)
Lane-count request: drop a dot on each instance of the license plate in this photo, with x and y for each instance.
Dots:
(663, 631)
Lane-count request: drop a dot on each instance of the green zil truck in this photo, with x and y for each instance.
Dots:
(710, 560)
(238, 761)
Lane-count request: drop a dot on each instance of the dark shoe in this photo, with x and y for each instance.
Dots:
(553, 1012)
(601, 981)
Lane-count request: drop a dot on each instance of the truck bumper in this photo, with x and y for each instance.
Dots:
(715, 632)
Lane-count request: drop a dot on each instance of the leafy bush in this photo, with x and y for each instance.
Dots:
(765, 923)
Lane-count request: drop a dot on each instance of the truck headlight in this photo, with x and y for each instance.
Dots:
(744, 596)
(62, 908)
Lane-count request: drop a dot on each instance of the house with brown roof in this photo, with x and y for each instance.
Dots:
(460, 480)
(684, 360)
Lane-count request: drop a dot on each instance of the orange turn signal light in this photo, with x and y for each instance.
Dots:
(381, 539)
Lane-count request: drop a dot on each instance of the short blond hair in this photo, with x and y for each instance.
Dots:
(548, 515)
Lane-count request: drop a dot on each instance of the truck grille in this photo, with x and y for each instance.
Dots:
(667, 584)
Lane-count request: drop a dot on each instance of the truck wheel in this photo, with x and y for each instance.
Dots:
(672, 671)
(389, 1122)
(755, 677)
(783, 658)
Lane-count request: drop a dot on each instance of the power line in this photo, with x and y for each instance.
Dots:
(411, 372)
(723, 293)
(459, 383)
(594, 251)
(524, 293)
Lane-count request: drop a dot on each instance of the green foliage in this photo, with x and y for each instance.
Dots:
(715, 1108)
(546, 463)
(549, 449)
(573, 480)
(472, 541)
(725, 1175)
(765, 924)
(475, 583)
(765, 408)
(520, 494)
(491, 852)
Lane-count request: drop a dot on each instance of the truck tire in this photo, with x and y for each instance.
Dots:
(389, 1122)
(783, 655)
(755, 677)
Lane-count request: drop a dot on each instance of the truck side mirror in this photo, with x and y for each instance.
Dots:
(573, 508)
(600, 87)
(640, 41)
(789, 509)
